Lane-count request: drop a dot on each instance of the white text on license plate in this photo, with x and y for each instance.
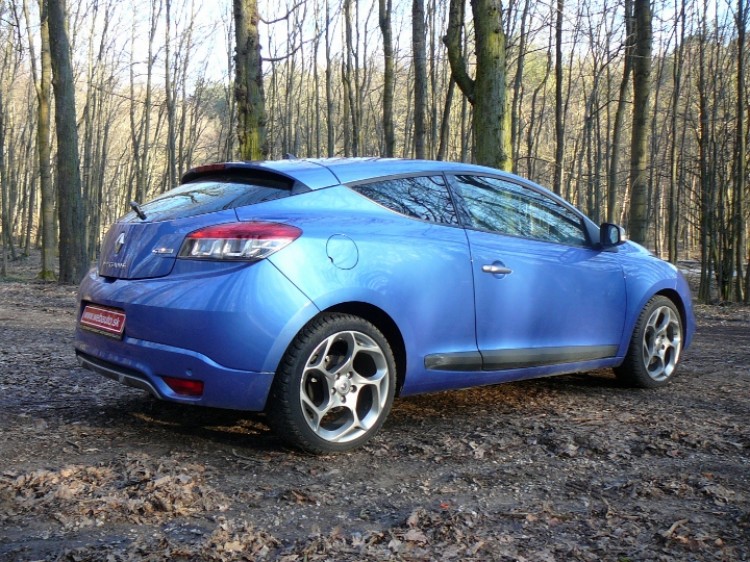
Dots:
(103, 320)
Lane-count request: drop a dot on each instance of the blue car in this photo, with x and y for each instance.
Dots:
(318, 290)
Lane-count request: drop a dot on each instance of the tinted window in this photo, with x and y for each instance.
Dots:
(212, 194)
(424, 198)
(505, 207)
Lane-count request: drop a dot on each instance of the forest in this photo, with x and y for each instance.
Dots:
(638, 112)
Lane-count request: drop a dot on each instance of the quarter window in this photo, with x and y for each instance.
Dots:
(508, 208)
(425, 197)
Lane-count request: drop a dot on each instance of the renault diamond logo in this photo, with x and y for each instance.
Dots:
(119, 243)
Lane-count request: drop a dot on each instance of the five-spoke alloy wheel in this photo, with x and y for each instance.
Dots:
(655, 346)
(335, 385)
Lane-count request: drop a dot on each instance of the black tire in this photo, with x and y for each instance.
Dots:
(335, 385)
(655, 346)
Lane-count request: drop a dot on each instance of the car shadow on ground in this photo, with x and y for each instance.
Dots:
(160, 420)
(248, 431)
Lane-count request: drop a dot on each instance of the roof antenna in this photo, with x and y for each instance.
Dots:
(289, 156)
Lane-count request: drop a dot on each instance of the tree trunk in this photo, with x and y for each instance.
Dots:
(351, 83)
(706, 185)
(73, 256)
(316, 83)
(42, 84)
(330, 108)
(559, 109)
(436, 68)
(487, 92)
(385, 10)
(639, 140)
(515, 132)
(5, 234)
(141, 132)
(613, 199)
(445, 123)
(420, 76)
(740, 240)
(171, 172)
(248, 90)
(673, 209)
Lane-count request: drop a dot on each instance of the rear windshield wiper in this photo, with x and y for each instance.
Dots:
(137, 210)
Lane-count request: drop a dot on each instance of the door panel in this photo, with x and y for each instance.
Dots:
(558, 304)
(543, 294)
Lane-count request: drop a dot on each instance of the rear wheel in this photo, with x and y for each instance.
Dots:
(655, 346)
(335, 385)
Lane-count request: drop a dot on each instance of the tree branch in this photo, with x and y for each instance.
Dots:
(452, 41)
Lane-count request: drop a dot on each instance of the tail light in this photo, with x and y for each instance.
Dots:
(244, 241)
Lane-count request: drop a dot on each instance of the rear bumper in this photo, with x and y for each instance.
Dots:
(142, 365)
(226, 325)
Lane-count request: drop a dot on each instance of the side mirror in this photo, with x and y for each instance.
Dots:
(611, 235)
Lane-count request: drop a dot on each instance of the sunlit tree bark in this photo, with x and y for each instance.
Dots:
(487, 92)
(248, 88)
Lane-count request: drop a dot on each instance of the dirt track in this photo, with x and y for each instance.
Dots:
(572, 468)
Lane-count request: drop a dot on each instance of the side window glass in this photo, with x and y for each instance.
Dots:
(505, 207)
(425, 197)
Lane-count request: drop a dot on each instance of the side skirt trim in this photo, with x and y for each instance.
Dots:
(505, 359)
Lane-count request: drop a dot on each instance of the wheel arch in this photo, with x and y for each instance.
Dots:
(383, 322)
(674, 296)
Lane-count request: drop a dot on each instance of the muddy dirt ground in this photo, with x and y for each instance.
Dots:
(570, 468)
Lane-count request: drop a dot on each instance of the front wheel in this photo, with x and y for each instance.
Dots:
(655, 346)
(334, 386)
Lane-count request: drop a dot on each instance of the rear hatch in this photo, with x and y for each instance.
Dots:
(141, 248)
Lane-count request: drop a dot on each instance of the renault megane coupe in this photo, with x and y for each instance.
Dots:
(318, 290)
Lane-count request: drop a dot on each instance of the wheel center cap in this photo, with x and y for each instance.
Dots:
(343, 385)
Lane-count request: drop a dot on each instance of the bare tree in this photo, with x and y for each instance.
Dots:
(5, 234)
(42, 78)
(559, 109)
(742, 289)
(673, 192)
(73, 256)
(613, 192)
(169, 95)
(385, 10)
(518, 86)
(639, 141)
(248, 88)
(140, 130)
(486, 92)
(420, 76)
(350, 79)
(330, 107)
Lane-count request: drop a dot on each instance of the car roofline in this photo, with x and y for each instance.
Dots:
(319, 173)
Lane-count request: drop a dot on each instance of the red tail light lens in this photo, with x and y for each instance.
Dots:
(185, 387)
(246, 241)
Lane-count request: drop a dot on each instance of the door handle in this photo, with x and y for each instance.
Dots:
(496, 269)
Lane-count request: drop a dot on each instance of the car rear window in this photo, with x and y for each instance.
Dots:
(210, 194)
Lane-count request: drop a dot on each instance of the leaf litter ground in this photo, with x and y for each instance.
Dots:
(568, 468)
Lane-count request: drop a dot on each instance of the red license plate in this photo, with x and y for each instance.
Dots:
(103, 320)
